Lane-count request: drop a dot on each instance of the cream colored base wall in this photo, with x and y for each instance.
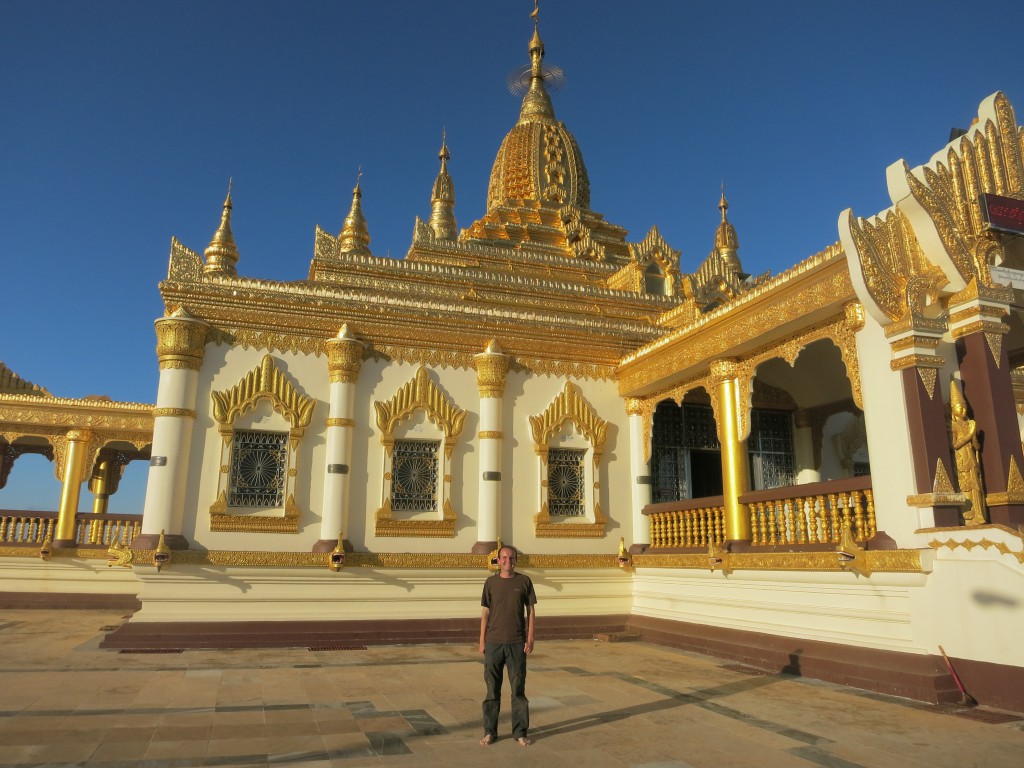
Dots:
(65, 576)
(834, 608)
(970, 604)
(186, 593)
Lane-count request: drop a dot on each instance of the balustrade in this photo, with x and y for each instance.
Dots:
(27, 528)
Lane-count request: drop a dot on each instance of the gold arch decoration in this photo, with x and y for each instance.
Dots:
(569, 406)
(264, 381)
(419, 393)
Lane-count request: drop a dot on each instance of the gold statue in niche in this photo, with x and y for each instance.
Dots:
(965, 451)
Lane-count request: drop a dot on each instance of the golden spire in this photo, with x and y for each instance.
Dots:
(442, 199)
(536, 103)
(354, 236)
(726, 241)
(221, 254)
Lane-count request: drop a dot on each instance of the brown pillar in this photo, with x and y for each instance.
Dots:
(914, 357)
(975, 322)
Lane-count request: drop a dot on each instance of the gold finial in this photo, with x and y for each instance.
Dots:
(355, 236)
(726, 241)
(536, 103)
(222, 254)
(442, 198)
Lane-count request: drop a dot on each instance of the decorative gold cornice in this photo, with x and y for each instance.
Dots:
(184, 413)
(265, 380)
(180, 341)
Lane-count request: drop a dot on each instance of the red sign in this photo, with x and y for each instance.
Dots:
(1003, 214)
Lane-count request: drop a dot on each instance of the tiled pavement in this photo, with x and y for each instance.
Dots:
(65, 702)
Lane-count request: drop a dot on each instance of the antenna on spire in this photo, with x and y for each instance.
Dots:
(536, 12)
(231, 180)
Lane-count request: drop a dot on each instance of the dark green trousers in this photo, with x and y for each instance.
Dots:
(497, 658)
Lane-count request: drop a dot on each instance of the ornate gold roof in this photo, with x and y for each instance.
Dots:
(12, 384)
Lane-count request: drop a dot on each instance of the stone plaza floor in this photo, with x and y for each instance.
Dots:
(64, 702)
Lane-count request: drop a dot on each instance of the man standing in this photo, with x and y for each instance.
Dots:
(506, 636)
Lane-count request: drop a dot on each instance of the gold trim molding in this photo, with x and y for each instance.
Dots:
(264, 381)
(419, 393)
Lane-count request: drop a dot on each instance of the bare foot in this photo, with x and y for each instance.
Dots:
(522, 741)
(488, 739)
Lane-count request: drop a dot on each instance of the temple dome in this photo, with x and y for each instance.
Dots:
(539, 159)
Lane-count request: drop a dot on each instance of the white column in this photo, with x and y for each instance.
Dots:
(491, 368)
(344, 359)
(180, 345)
(640, 476)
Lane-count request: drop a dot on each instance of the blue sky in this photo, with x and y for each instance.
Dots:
(121, 122)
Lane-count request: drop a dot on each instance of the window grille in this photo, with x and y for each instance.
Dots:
(771, 449)
(259, 462)
(566, 482)
(414, 476)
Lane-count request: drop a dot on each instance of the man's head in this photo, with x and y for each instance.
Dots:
(507, 561)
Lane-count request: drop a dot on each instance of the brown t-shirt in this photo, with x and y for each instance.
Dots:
(506, 601)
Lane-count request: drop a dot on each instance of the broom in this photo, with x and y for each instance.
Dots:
(965, 698)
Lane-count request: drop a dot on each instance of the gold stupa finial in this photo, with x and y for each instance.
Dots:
(222, 254)
(726, 241)
(442, 198)
(536, 103)
(355, 236)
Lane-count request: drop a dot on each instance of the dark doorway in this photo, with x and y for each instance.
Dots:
(706, 473)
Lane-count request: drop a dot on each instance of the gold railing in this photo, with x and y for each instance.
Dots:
(815, 513)
(687, 523)
(26, 528)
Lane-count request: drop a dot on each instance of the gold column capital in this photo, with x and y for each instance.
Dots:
(492, 367)
(634, 406)
(855, 317)
(724, 369)
(344, 356)
(79, 435)
(180, 341)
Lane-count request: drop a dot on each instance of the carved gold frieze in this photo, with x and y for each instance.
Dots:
(184, 413)
(252, 524)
